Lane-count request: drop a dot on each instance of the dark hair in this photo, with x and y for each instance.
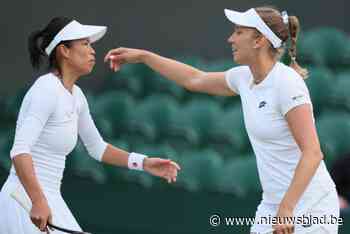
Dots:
(272, 17)
(40, 39)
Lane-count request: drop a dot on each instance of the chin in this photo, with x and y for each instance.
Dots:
(85, 72)
(239, 61)
(88, 70)
(235, 60)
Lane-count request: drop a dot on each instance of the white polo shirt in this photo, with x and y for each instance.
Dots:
(264, 107)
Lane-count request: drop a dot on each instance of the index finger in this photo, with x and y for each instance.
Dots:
(175, 165)
(113, 52)
(43, 224)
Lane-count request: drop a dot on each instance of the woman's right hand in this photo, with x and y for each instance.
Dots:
(40, 214)
(117, 57)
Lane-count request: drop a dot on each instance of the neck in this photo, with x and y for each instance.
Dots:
(261, 68)
(68, 78)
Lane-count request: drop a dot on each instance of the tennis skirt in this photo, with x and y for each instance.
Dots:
(14, 219)
(322, 215)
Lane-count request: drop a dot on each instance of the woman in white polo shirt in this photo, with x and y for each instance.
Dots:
(53, 113)
(277, 112)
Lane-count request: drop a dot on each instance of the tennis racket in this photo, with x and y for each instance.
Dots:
(26, 204)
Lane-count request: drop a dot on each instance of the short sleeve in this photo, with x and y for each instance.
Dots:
(234, 77)
(88, 132)
(292, 92)
(37, 106)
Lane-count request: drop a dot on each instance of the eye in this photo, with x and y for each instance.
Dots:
(238, 32)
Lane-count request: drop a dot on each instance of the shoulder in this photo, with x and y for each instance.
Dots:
(288, 81)
(47, 83)
(236, 75)
(79, 92)
(239, 70)
(81, 98)
(286, 76)
(291, 89)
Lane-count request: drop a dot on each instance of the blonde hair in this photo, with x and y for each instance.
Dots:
(273, 18)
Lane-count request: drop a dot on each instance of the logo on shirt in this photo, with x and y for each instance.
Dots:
(262, 104)
(297, 97)
(306, 225)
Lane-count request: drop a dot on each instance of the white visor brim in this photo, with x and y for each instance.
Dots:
(252, 19)
(74, 31)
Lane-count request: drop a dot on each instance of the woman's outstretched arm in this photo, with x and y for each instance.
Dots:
(182, 74)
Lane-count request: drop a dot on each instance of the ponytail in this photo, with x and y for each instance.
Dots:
(294, 27)
(35, 50)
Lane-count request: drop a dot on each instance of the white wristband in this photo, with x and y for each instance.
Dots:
(135, 161)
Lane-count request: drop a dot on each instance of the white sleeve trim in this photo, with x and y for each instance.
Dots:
(18, 151)
(291, 106)
(227, 78)
(98, 150)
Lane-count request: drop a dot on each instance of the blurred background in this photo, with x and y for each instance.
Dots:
(138, 110)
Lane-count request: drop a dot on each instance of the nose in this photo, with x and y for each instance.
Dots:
(93, 52)
(230, 39)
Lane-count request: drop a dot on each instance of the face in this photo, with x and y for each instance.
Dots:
(80, 56)
(243, 42)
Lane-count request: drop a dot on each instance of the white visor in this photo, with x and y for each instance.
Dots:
(251, 19)
(74, 31)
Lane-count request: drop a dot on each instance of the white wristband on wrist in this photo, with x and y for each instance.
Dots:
(135, 161)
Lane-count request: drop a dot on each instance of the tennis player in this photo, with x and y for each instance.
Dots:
(53, 113)
(278, 116)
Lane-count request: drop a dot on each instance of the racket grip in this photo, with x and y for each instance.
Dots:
(22, 199)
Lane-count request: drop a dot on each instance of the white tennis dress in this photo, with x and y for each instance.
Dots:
(264, 107)
(48, 125)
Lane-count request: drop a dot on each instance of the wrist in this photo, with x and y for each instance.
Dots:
(39, 200)
(144, 56)
(136, 161)
(287, 205)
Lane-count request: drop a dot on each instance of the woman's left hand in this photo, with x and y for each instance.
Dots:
(284, 219)
(164, 168)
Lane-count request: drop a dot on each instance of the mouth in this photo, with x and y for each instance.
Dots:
(234, 50)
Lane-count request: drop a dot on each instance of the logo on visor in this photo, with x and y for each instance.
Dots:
(262, 104)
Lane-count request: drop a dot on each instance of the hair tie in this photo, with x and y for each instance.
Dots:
(285, 17)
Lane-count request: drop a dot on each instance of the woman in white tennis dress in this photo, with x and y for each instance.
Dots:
(277, 113)
(54, 112)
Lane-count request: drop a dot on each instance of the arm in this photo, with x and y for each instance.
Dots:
(109, 154)
(29, 127)
(163, 168)
(184, 75)
(23, 164)
(40, 213)
(302, 126)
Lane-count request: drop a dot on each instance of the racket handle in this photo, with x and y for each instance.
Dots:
(25, 202)
(64, 230)
(21, 198)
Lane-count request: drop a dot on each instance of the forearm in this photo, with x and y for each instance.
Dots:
(115, 156)
(304, 172)
(163, 168)
(173, 70)
(23, 164)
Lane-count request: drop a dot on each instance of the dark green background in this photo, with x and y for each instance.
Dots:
(191, 27)
(125, 208)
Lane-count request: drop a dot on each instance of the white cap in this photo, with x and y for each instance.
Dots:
(73, 31)
(251, 19)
